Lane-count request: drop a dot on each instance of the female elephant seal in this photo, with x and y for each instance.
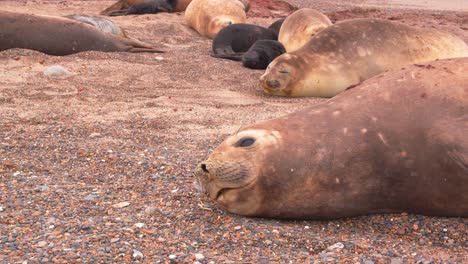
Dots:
(208, 17)
(300, 27)
(60, 36)
(101, 23)
(127, 7)
(396, 143)
(349, 52)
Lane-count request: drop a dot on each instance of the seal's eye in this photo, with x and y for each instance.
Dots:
(283, 71)
(245, 142)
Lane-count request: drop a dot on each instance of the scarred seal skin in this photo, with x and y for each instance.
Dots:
(127, 7)
(61, 36)
(208, 17)
(349, 52)
(396, 143)
(299, 27)
(101, 23)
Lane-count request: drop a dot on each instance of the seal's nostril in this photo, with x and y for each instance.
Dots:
(203, 167)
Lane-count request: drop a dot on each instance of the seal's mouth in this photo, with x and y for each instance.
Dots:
(221, 192)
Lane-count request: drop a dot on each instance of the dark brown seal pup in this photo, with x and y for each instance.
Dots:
(60, 36)
(262, 53)
(126, 7)
(276, 26)
(236, 39)
(396, 143)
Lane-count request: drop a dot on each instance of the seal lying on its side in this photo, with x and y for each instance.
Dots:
(208, 17)
(101, 23)
(61, 36)
(300, 27)
(236, 39)
(351, 51)
(262, 53)
(126, 7)
(396, 143)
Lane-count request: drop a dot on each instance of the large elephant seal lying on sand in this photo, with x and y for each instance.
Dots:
(299, 27)
(208, 17)
(349, 52)
(395, 143)
(60, 36)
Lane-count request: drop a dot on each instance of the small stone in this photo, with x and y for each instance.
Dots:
(139, 225)
(336, 247)
(16, 173)
(121, 205)
(137, 254)
(237, 227)
(85, 227)
(56, 71)
(45, 260)
(396, 261)
(42, 188)
(2, 208)
(158, 58)
(151, 210)
(115, 239)
(93, 135)
(90, 197)
(368, 262)
(172, 256)
(268, 242)
(199, 256)
(415, 227)
(42, 244)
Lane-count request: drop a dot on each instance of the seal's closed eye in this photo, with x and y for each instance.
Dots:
(245, 142)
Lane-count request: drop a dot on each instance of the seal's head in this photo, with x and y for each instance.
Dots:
(232, 175)
(280, 76)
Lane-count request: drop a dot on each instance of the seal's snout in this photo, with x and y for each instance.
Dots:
(273, 84)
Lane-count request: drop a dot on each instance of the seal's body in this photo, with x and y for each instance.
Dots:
(208, 17)
(349, 52)
(101, 23)
(262, 53)
(127, 7)
(60, 36)
(396, 143)
(236, 39)
(276, 26)
(299, 27)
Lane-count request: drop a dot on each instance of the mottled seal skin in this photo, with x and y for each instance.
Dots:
(276, 26)
(299, 27)
(262, 53)
(101, 23)
(345, 54)
(396, 143)
(126, 7)
(61, 36)
(208, 17)
(236, 39)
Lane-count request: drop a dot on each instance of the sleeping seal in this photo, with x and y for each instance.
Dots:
(101, 23)
(60, 36)
(127, 7)
(396, 143)
(351, 51)
(208, 17)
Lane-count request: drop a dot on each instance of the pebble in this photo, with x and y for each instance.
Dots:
(121, 205)
(139, 225)
(85, 227)
(90, 197)
(268, 242)
(199, 256)
(42, 188)
(137, 254)
(151, 210)
(396, 261)
(172, 256)
(56, 71)
(159, 58)
(115, 239)
(237, 227)
(368, 262)
(2, 208)
(336, 247)
(42, 244)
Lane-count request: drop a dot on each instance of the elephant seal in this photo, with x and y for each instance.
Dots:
(276, 26)
(126, 7)
(262, 53)
(236, 39)
(349, 52)
(61, 36)
(101, 23)
(300, 27)
(208, 17)
(396, 143)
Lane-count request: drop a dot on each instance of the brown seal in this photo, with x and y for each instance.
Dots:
(300, 27)
(61, 36)
(176, 5)
(396, 143)
(100, 23)
(208, 17)
(349, 52)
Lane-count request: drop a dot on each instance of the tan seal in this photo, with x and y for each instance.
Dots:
(61, 36)
(396, 143)
(208, 17)
(300, 27)
(349, 52)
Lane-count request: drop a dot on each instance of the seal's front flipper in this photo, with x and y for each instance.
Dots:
(234, 56)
